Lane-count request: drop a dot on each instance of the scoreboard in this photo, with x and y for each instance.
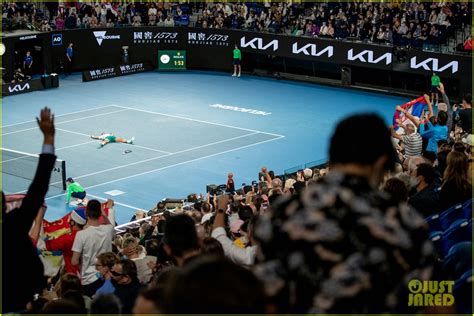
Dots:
(171, 60)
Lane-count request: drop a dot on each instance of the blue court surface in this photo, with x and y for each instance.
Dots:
(190, 130)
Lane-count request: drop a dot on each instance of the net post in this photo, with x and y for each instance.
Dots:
(63, 175)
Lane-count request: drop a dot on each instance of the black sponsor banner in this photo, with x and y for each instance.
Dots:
(22, 87)
(212, 49)
(445, 65)
(115, 71)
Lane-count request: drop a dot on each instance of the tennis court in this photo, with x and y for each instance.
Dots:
(190, 130)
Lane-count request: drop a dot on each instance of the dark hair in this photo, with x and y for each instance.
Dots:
(430, 155)
(62, 306)
(94, 209)
(106, 304)
(442, 118)
(459, 147)
(468, 98)
(77, 298)
(129, 268)
(70, 282)
(154, 295)
(426, 171)
(362, 139)
(205, 207)
(217, 286)
(441, 142)
(152, 247)
(211, 246)
(245, 212)
(397, 189)
(180, 234)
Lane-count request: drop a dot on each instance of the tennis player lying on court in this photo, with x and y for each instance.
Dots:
(106, 138)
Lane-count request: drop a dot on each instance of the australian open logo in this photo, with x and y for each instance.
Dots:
(430, 293)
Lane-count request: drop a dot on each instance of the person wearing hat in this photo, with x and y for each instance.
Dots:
(64, 243)
(75, 190)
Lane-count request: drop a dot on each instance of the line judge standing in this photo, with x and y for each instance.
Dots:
(69, 56)
(236, 61)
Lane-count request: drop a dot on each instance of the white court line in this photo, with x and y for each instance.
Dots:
(61, 115)
(171, 166)
(57, 149)
(159, 157)
(195, 120)
(76, 145)
(82, 134)
(105, 199)
(78, 119)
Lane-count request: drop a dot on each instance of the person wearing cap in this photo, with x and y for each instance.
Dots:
(64, 243)
(106, 138)
(75, 190)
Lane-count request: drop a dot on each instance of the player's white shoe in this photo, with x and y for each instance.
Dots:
(238, 75)
(234, 74)
(131, 140)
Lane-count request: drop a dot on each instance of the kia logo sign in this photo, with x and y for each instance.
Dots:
(19, 87)
(311, 49)
(257, 43)
(57, 39)
(432, 64)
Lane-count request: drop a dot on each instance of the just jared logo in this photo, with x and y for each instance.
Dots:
(430, 293)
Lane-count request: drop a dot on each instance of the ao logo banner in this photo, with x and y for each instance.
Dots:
(57, 39)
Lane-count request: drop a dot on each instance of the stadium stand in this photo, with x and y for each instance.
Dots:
(428, 25)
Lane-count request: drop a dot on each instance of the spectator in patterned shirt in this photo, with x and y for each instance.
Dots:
(348, 248)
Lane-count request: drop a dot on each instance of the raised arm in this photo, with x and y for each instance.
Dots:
(394, 133)
(409, 116)
(37, 191)
(430, 107)
(450, 113)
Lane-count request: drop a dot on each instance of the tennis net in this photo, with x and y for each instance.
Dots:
(23, 165)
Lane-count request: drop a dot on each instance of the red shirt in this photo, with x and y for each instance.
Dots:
(64, 243)
(468, 45)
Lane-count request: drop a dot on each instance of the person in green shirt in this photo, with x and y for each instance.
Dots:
(435, 80)
(76, 191)
(236, 62)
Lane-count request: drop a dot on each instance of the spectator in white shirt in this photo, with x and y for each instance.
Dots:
(243, 256)
(91, 242)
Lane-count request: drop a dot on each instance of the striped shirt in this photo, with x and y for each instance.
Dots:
(413, 144)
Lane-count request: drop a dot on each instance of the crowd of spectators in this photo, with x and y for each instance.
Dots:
(344, 239)
(405, 24)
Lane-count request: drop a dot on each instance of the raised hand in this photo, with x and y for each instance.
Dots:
(441, 87)
(46, 125)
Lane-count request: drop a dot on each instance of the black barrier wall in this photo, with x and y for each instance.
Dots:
(212, 49)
